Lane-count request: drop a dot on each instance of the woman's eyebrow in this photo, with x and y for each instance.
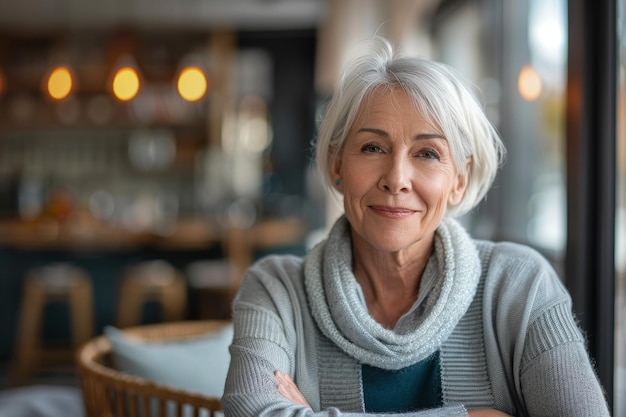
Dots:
(419, 136)
(373, 130)
(430, 136)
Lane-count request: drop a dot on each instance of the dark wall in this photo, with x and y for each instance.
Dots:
(292, 106)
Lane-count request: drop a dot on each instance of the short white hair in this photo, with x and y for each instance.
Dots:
(439, 93)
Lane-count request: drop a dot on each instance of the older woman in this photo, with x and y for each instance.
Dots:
(399, 311)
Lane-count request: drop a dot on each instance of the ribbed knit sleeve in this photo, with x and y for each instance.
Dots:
(556, 375)
(553, 328)
(536, 354)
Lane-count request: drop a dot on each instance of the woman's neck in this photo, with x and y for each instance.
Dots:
(390, 281)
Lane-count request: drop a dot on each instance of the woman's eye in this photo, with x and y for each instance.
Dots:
(371, 148)
(429, 154)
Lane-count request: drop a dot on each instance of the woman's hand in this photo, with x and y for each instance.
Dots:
(487, 413)
(289, 390)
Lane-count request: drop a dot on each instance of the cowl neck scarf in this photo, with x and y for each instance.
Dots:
(331, 288)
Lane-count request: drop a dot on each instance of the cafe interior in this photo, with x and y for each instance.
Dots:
(152, 150)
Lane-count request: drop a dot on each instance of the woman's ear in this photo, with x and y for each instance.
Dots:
(459, 187)
(335, 172)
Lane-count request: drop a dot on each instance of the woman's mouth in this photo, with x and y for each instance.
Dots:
(392, 212)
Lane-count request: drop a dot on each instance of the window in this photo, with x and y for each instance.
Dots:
(521, 75)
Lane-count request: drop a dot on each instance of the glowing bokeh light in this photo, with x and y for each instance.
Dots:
(125, 84)
(192, 84)
(529, 83)
(59, 83)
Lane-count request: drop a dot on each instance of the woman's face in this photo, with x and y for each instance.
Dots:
(396, 174)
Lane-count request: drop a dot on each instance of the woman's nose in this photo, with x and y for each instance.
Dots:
(396, 177)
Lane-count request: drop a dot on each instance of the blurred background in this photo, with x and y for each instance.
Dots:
(180, 132)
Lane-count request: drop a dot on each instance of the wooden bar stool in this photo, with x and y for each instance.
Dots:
(151, 281)
(55, 282)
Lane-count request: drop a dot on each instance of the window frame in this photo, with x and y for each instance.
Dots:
(591, 144)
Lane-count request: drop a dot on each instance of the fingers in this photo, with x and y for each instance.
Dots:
(288, 389)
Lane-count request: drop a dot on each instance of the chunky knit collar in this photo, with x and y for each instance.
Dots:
(332, 292)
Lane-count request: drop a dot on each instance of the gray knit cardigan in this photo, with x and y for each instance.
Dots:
(516, 347)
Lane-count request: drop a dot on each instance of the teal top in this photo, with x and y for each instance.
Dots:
(416, 387)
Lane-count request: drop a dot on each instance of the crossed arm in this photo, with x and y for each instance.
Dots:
(288, 389)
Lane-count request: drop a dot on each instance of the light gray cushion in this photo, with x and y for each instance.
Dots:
(198, 364)
(41, 401)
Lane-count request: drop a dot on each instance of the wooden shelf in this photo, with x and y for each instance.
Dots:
(189, 234)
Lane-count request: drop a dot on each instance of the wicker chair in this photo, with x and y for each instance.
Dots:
(110, 393)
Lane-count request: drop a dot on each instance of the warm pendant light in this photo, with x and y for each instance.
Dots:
(125, 83)
(529, 83)
(192, 84)
(60, 83)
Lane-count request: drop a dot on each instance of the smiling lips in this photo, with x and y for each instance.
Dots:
(392, 212)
